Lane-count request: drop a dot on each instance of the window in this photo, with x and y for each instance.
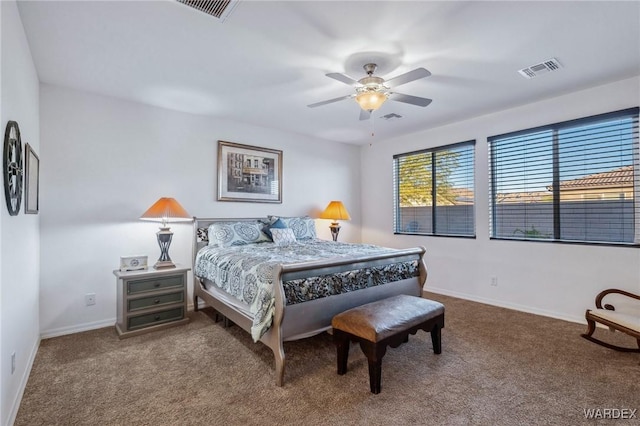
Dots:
(576, 181)
(447, 210)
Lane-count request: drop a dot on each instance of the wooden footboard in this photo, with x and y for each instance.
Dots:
(291, 322)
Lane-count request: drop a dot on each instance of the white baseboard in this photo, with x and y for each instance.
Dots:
(501, 304)
(23, 383)
(46, 334)
(55, 332)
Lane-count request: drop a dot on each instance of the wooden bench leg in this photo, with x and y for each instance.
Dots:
(342, 345)
(436, 338)
(374, 353)
(375, 376)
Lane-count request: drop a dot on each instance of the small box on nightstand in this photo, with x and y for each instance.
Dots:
(133, 263)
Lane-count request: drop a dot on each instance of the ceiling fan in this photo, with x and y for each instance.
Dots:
(373, 91)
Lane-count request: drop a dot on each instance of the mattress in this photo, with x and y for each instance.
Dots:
(246, 272)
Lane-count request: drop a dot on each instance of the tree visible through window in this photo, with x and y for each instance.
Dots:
(434, 192)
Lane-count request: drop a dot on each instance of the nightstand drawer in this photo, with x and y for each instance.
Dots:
(152, 301)
(151, 284)
(154, 318)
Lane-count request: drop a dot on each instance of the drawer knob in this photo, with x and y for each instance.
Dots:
(156, 318)
(156, 301)
(156, 284)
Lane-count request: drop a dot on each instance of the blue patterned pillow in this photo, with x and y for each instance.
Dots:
(225, 234)
(279, 224)
(283, 236)
(304, 227)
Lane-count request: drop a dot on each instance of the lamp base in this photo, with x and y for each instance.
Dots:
(162, 264)
(164, 241)
(335, 230)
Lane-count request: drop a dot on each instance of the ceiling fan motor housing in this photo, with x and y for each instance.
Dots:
(371, 95)
(372, 82)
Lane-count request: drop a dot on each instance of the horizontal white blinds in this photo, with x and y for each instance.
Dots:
(571, 181)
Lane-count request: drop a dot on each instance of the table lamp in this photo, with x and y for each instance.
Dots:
(335, 211)
(165, 210)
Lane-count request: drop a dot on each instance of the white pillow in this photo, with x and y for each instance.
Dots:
(304, 227)
(283, 236)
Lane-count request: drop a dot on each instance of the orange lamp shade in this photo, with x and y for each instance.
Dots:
(335, 211)
(166, 210)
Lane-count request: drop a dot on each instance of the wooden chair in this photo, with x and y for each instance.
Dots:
(626, 319)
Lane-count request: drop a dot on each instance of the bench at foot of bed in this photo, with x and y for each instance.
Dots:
(387, 322)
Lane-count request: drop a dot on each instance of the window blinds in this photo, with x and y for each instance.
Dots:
(434, 191)
(574, 181)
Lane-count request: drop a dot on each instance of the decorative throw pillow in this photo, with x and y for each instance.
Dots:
(225, 234)
(283, 236)
(278, 224)
(203, 235)
(304, 227)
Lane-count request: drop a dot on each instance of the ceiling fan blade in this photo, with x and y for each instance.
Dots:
(342, 78)
(364, 114)
(330, 101)
(408, 99)
(407, 77)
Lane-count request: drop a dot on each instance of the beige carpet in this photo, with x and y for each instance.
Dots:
(497, 367)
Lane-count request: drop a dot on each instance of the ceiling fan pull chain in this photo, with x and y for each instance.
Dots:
(373, 119)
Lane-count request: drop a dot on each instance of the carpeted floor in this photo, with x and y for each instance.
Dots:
(497, 367)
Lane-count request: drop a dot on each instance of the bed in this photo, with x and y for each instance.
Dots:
(292, 305)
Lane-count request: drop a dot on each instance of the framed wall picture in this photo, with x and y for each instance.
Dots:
(249, 173)
(32, 181)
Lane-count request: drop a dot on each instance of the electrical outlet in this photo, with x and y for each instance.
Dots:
(90, 299)
(13, 362)
(494, 281)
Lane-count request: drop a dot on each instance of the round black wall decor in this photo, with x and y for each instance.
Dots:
(12, 167)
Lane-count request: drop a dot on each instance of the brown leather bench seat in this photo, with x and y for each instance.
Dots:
(387, 322)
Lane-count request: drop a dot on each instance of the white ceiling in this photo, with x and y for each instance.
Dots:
(268, 59)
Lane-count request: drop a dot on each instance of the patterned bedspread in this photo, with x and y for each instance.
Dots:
(246, 272)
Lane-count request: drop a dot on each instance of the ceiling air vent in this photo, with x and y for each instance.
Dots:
(541, 68)
(220, 9)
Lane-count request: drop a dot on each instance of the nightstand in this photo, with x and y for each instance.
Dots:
(151, 299)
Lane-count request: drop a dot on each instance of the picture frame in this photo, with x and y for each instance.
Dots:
(32, 181)
(249, 173)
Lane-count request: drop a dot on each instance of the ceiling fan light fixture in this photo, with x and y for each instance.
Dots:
(371, 100)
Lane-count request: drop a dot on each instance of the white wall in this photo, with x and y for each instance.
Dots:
(558, 280)
(105, 161)
(20, 244)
